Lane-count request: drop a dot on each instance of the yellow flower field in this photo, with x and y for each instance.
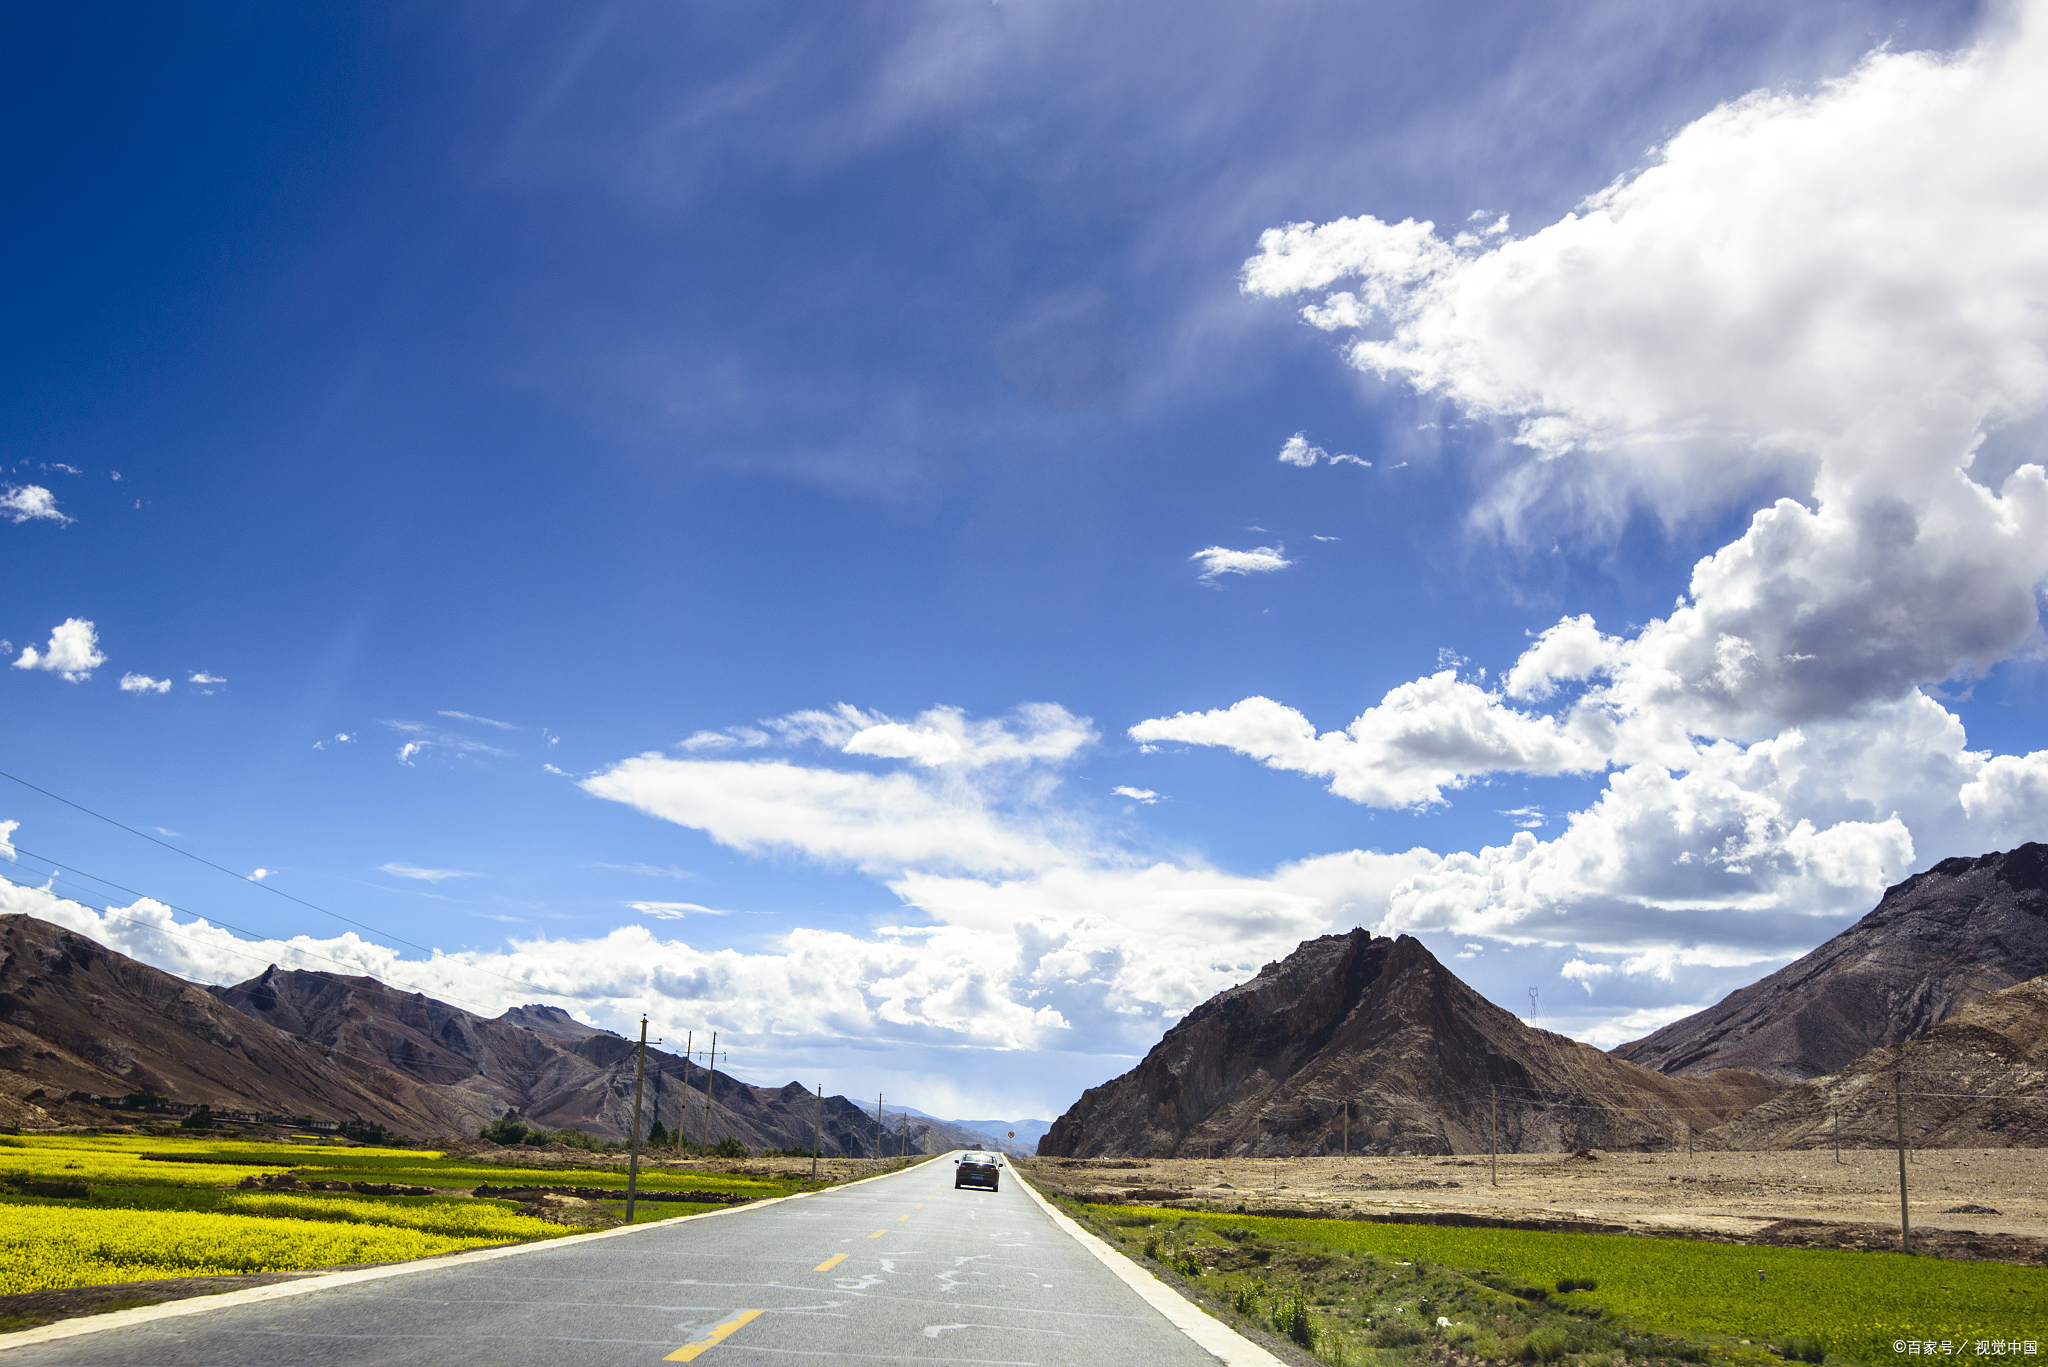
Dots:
(61, 1246)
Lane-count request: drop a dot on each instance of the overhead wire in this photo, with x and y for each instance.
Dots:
(266, 887)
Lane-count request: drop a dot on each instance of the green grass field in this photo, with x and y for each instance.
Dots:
(1858, 1304)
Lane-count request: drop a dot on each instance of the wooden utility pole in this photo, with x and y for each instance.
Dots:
(1347, 1129)
(817, 1124)
(633, 1169)
(710, 1081)
(1836, 1126)
(1496, 1134)
(1899, 1115)
(878, 1124)
(683, 1120)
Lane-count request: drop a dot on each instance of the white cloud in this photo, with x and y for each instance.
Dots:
(1422, 738)
(1217, 561)
(427, 738)
(879, 822)
(258, 875)
(7, 830)
(142, 683)
(1144, 795)
(30, 502)
(1296, 450)
(673, 911)
(73, 653)
(481, 721)
(943, 737)
(414, 871)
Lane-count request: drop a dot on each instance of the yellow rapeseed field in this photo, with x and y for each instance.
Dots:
(61, 1246)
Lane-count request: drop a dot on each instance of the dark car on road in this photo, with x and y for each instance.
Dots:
(976, 1170)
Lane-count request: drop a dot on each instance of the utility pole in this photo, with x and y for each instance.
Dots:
(878, 1124)
(1899, 1115)
(1496, 1134)
(633, 1169)
(1347, 1129)
(817, 1124)
(683, 1120)
(710, 1081)
(1836, 1125)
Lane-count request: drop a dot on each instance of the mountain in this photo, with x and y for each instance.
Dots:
(76, 1017)
(1963, 928)
(538, 1063)
(998, 1132)
(1269, 1066)
(926, 1133)
(1973, 1082)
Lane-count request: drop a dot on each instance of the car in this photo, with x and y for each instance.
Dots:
(976, 1169)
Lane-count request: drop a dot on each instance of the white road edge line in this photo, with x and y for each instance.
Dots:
(255, 1295)
(1213, 1335)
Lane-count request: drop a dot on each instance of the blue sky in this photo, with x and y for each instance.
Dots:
(737, 478)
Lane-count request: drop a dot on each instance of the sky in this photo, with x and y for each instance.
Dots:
(931, 538)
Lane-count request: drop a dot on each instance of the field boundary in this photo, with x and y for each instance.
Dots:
(1209, 1334)
(256, 1295)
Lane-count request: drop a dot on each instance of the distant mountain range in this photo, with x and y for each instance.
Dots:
(79, 1021)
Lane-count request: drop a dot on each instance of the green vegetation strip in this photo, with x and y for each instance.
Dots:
(1858, 1305)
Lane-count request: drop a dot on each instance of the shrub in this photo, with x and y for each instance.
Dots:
(1152, 1247)
(1246, 1299)
(1568, 1284)
(1292, 1321)
(1399, 1336)
(1545, 1343)
(729, 1147)
(1802, 1348)
(657, 1133)
(506, 1129)
(1460, 1333)
(201, 1119)
(1188, 1265)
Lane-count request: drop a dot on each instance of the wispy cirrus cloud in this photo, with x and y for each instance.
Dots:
(424, 875)
(480, 721)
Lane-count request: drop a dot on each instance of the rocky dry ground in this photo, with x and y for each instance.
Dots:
(1801, 1197)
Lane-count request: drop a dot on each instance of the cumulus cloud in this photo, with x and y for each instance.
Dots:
(1422, 738)
(1296, 450)
(142, 683)
(30, 503)
(1217, 561)
(7, 830)
(423, 875)
(1144, 795)
(258, 875)
(73, 652)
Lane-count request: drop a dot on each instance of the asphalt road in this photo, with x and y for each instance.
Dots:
(900, 1269)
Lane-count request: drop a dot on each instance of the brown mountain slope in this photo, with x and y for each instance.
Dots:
(1267, 1067)
(75, 1016)
(1975, 1082)
(540, 1064)
(1963, 928)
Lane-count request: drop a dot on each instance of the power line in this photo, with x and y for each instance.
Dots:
(266, 887)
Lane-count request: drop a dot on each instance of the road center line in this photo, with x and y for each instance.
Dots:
(830, 1263)
(878, 1234)
(689, 1351)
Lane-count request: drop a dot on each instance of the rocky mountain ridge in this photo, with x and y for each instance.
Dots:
(1963, 928)
(1371, 1044)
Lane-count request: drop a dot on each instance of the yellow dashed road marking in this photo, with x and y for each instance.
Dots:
(878, 1234)
(830, 1263)
(901, 1218)
(689, 1351)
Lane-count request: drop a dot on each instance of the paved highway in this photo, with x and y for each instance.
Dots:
(902, 1268)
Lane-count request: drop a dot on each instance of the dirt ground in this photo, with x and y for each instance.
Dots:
(1736, 1195)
